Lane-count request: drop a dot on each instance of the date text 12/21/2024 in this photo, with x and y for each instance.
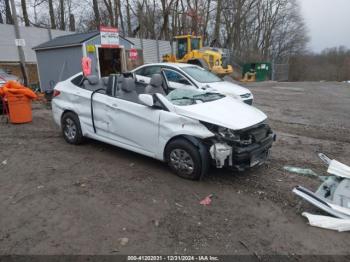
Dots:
(173, 258)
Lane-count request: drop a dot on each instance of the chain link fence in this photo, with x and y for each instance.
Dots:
(280, 72)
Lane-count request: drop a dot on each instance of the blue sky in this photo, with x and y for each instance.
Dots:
(328, 22)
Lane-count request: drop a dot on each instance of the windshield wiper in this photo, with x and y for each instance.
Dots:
(182, 98)
(193, 99)
(209, 94)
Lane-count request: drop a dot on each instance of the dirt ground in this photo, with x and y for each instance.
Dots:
(98, 199)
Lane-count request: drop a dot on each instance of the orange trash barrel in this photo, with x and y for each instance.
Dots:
(20, 108)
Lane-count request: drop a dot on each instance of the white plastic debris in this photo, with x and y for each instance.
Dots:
(124, 241)
(333, 197)
(327, 222)
(340, 209)
(4, 163)
(338, 169)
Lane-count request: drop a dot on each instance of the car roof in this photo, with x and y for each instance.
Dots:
(178, 65)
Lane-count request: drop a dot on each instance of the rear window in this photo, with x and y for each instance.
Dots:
(148, 71)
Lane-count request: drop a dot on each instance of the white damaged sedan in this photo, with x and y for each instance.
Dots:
(190, 129)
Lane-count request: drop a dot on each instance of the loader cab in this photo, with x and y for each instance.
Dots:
(186, 43)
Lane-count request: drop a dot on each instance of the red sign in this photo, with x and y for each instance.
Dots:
(133, 54)
(109, 37)
(86, 65)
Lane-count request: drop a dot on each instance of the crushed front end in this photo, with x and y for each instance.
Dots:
(242, 149)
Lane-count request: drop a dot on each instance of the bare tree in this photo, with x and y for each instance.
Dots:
(166, 8)
(121, 16)
(9, 19)
(116, 12)
(218, 21)
(128, 17)
(52, 15)
(25, 13)
(109, 7)
(97, 14)
(62, 15)
(71, 23)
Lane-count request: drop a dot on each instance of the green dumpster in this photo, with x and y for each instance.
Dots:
(263, 70)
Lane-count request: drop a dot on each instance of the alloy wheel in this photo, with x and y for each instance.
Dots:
(182, 161)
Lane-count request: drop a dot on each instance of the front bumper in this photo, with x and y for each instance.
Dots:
(243, 158)
(253, 155)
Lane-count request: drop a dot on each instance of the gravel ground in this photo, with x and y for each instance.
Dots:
(98, 199)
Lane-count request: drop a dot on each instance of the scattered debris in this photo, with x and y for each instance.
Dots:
(40, 187)
(80, 184)
(131, 164)
(178, 205)
(4, 163)
(328, 222)
(124, 241)
(333, 197)
(156, 222)
(301, 171)
(207, 200)
(246, 246)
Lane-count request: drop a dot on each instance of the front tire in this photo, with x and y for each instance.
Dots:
(71, 129)
(184, 159)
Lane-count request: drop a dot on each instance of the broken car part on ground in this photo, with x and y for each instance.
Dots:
(333, 197)
(190, 129)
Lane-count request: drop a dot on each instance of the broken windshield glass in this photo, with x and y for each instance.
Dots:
(184, 97)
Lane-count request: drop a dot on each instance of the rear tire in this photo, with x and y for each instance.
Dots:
(71, 129)
(184, 159)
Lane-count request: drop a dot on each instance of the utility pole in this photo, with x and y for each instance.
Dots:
(19, 47)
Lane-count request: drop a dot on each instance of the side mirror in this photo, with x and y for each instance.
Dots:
(146, 99)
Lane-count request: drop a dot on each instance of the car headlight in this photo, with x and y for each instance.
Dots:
(233, 96)
(245, 96)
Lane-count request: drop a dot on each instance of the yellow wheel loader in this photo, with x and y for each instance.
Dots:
(190, 50)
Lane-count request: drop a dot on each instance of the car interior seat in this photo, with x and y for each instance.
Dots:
(120, 80)
(128, 91)
(92, 83)
(155, 86)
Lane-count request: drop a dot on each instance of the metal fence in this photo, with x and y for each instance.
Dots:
(280, 72)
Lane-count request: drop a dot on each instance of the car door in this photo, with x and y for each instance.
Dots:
(80, 98)
(134, 125)
(176, 80)
(144, 74)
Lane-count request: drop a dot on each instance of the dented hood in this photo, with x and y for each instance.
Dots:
(226, 112)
